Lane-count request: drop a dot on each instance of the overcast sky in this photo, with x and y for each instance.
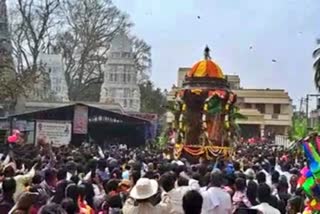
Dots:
(245, 36)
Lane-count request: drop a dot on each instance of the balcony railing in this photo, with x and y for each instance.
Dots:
(277, 117)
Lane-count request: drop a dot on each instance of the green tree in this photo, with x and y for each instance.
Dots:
(299, 128)
(153, 100)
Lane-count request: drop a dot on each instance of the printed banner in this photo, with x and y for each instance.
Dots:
(56, 132)
(80, 120)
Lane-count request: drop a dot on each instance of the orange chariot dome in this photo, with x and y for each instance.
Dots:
(205, 68)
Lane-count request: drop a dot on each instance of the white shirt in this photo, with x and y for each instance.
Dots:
(176, 195)
(265, 208)
(217, 201)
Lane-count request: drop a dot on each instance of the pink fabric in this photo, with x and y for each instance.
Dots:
(304, 171)
(239, 197)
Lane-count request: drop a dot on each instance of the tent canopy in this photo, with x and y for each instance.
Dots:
(67, 113)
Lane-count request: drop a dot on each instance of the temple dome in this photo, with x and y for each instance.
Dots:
(121, 43)
(205, 68)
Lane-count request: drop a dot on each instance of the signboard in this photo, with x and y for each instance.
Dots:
(57, 132)
(80, 120)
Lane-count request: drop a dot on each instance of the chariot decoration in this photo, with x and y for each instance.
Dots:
(203, 110)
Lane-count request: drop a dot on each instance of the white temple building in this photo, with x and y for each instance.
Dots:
(53, 66)
(120, 76)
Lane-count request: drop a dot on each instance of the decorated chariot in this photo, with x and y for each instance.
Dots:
(203, 112)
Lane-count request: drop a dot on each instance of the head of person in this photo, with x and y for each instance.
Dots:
(37, 179)
(167, 181)
(283, 186)
(111, 186)
(261, 177)
(62, 174)
(124, 185)
(9, 171)
(252, 190)
(52, 208)
(295, 205)
(240, 184)
(294, 182)
(82, 191)
(9, 186)
(192, 202)
(25, 201)
(264, 193)
(182, 181)
(237, 166)
(135, 176)
(216, 178)
(144, 190)
(69, 206)
(60, 193)
(72, 192)
(89, 191)
(42, 197)
(50, 176)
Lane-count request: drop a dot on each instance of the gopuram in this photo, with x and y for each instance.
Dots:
(203, 110)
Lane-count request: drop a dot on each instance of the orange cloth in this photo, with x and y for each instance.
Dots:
(205, 68)
(84, 207)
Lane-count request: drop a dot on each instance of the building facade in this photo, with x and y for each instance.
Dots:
(53, 66)
(268, 111)
(120, 76)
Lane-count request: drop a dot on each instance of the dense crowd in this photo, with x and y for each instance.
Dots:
(114, 180)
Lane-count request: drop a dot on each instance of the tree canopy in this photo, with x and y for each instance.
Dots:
(153, 100)
(80, 30)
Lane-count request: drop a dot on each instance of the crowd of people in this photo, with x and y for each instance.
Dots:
(89, 180)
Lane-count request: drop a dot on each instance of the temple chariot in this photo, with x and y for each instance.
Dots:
(203, 112)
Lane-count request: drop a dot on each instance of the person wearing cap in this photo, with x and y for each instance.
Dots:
(142, 196)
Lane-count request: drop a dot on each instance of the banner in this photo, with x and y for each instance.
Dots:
(80, 120)
(56, 132)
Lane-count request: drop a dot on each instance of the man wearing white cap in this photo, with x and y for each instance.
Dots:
(141, 198)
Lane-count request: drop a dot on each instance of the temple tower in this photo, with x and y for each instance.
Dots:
(120, 76)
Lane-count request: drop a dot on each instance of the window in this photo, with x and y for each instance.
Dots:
(113, 68)
(247, 105)
(277, 109)
(115, 77)
(120, 68)
(125, 55)
(129, 77)
(261, 108)
(131, 103)
(115, 55)
(124, 77)
(126, 92)
(111, 77)
(125, 103)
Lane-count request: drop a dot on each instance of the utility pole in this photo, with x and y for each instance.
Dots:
(302, 100)
(307, 106)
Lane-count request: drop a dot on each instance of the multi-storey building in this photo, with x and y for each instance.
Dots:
(268, 111)
(120, 76)
(54, 66)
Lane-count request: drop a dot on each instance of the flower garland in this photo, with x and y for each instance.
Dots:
(209, 151)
